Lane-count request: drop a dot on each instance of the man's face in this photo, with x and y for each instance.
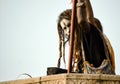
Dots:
(65, 24)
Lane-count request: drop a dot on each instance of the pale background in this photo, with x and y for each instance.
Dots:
(29, 39)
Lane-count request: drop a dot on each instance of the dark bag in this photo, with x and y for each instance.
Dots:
(55, 70)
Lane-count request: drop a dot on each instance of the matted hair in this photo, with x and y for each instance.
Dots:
(64, 15)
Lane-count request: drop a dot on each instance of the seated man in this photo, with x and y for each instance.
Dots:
(90, 44)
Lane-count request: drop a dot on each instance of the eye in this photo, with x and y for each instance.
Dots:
(68, 25)
(64, 28)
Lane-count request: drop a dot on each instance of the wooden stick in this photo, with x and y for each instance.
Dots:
(73, 16)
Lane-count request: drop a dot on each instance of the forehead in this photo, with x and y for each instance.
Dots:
(64, 22)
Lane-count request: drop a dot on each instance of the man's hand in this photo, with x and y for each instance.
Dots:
(79, 1)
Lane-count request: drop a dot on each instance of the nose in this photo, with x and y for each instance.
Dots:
(68, 30)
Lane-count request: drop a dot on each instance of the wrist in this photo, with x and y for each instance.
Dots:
(79, 1)
(80, 4)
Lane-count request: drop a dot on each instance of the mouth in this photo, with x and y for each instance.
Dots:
(67, 36)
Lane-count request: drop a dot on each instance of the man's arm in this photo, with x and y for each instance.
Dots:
(82, 16)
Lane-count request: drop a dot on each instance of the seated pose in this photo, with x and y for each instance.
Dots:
(92, 51)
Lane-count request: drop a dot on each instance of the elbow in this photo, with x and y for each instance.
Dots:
(84, 25)
(81, 21)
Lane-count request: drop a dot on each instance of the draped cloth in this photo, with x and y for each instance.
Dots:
(94, 47)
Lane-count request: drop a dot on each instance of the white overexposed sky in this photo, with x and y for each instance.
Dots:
(29, 38)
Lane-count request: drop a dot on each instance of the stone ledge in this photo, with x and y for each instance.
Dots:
(69, 79)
